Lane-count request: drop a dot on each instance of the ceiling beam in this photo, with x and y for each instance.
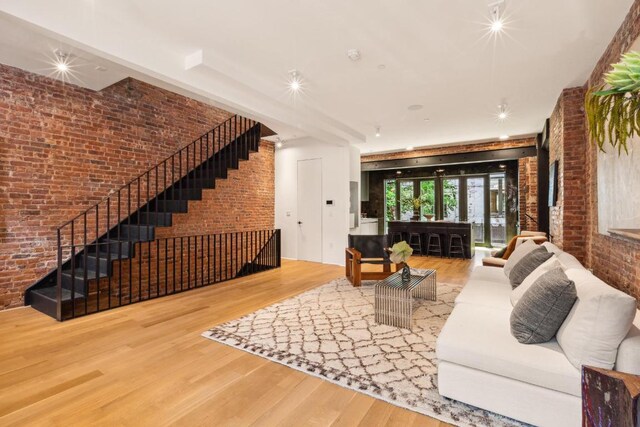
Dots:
(452, 159)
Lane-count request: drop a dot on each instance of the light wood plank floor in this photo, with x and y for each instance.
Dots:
(147, 364)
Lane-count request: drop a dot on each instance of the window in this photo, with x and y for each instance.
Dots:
(497, 205)
(406, 200)
(428, 198)
(390, 200)
(451, 199)
(475, 207)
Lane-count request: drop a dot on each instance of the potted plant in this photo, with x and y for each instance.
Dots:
(400, 253)
(417, 203)
(613, 108)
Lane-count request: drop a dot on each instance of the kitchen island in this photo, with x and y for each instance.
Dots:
(443, 228)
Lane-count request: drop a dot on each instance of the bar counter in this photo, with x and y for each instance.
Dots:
(443, 228)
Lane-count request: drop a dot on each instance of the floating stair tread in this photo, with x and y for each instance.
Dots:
(79, 273)
(52, 293)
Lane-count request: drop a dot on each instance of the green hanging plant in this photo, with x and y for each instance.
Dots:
(613, 108)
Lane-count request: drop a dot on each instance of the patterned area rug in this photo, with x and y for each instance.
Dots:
(330, 332)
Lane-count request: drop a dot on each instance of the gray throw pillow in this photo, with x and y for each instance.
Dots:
(541, 311)
(527, 264)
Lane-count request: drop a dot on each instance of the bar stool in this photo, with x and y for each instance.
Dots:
(434, 245)
(456, 246)
(415, 241)
(396, 236)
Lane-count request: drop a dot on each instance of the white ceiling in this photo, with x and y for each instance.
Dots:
(237, 54)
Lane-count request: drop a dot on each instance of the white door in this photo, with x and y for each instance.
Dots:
(310, 210)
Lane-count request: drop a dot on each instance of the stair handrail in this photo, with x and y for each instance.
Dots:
(176, 153)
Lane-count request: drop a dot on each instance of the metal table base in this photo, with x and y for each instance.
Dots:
(394, 299)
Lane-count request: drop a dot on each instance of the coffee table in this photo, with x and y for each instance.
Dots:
(394, 298)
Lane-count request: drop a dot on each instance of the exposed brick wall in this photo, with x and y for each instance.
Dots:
(614, 260)
(450, 149)
(528, 193)
(64, 148)
(568, 219)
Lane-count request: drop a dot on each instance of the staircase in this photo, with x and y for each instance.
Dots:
(109, 255)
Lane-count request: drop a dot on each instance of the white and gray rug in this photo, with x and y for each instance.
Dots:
(330, 332)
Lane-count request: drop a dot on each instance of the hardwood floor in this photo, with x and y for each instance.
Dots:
(147, 364)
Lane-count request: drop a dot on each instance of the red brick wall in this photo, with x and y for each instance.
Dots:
(528, 192)
(64, 148)
(614, 260)
(568, 219)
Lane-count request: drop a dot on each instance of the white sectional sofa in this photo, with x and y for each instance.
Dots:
(482, 364)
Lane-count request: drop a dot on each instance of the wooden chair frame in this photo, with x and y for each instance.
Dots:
(353, 268)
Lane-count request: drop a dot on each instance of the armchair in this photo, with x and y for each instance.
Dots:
(364, 249)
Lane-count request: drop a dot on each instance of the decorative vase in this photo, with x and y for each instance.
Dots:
(406, 273)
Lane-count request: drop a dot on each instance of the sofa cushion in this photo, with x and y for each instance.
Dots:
(548, 265)
(486, 286)
(517, 255)
(540, 312)
(527, 264)
(568, 261)
(479, 337)
(597, 324)
(628, 359)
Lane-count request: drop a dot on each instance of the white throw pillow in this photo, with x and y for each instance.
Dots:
(550, 264)
(598, 322)
(517, 255)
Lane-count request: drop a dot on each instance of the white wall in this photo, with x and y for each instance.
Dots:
(337, 165)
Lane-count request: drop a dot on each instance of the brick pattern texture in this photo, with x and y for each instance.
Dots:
(528, 193)
(568, 219)
(614, 260)
(64, 148)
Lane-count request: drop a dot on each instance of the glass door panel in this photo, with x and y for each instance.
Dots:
(451, 199)
(390, 202)
(406, 200)
(428, 199)
(475, 207)
(497, 207)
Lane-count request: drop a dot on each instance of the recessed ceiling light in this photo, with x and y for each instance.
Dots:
(381, 66)
(503, 112)
(503, 166)
(398, 172)
(62, 68)
(496, 18)
(410, 148)
(504, 137)
(295, 81)
(415, 107)
(101, 68)
(378, 132)
(354, 54)
(426, 119)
